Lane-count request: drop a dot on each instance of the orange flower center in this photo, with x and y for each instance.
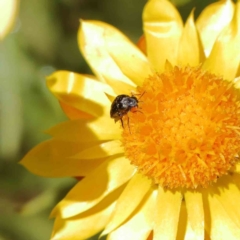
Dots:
(186, 131)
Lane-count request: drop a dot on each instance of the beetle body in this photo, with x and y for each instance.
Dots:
(121, 105)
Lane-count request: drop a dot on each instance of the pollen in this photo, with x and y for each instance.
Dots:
(186, 130)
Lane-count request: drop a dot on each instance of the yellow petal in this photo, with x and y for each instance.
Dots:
(236, 179)
(162, 26)
(237, 80)
(8, 12)
(73, 113)
(228, 198)
(212, 20)
(96, 186)
(167, 214)
(84, 226)
(94, 38)
(185, 230)
(237, 168)
(101, 150)
(140, 225)
(194, 204)
(182, 225)
(225, 55)
(142, 44)
(120, 87)
(52, 159)
(238, 73)
(190, 48)
(218, 224)
(86, 131)
(133, 63)
(136, 189)
(80, 92)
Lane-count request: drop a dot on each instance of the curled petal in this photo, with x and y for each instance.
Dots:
(81, 92)
(162, 29)
(212, 20)
(8, 12)
(226, 50)
(120, 87)
(95, 39)
(131, 61)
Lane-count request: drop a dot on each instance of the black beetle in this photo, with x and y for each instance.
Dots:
(121, 105)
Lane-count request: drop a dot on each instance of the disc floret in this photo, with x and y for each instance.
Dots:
(187, 133)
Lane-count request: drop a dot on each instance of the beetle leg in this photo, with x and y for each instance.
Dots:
(122, 122)
(129, 125)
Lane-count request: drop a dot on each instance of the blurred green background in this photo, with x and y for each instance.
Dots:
(42, 41)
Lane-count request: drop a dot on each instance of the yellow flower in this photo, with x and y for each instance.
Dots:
(8, 12)
(172, 171)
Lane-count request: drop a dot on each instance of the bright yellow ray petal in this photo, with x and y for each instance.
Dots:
(194, 204)
(212, 20)
(142, 44)
(137, 186)
(237, 80)
(190, 47)
(185, 230)
(94, 38)
(162, 26)
(238, 73)
(236, 179)
(52, 158)
(133, 63)
(120, 87)
(167, 214)
(226, 50)
(73, 113)
(218, 223)
(140, 225)
(8, 12)
(82, 227)
(91, 190)
(182, 225)
(86, 131)
(101, 150)
(81, 92)
(237, 168)
(229, 197)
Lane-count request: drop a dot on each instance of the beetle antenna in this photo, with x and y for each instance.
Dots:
(141, 95)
